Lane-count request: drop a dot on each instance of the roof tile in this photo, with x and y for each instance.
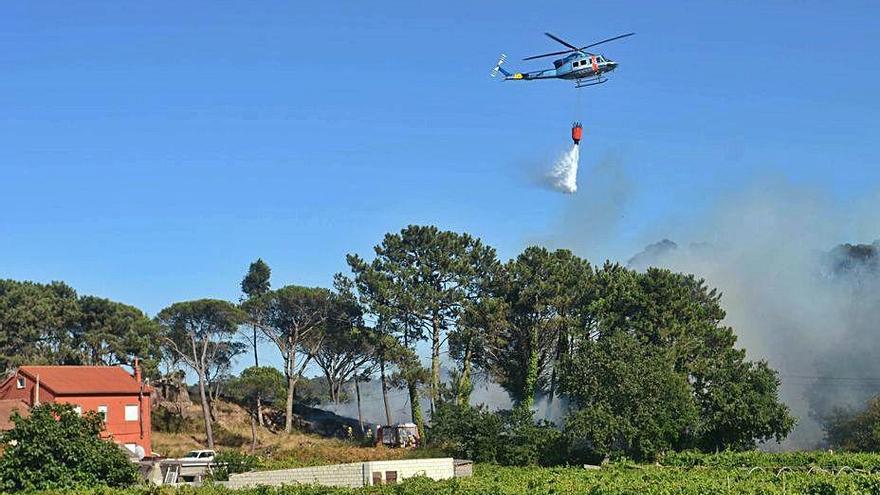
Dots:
(70, 380)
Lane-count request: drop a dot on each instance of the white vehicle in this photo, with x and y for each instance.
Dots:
(200, 456)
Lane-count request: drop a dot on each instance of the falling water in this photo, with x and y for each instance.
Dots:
(563, 177)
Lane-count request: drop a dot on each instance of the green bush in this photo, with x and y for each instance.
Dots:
(510, 438)
(232, 461)
(55, 448)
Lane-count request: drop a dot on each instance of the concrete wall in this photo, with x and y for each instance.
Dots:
(438, 469)
(348, 475)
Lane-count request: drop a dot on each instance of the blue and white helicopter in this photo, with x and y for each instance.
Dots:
(585, 68)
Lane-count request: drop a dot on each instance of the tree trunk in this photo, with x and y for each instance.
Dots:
(435, 361)
(260, 420)
(561, 345)
(385, 391)
(335, 391)
(357, 392)
(206, 410)
(256, 356)
(288, 413)
(531, 378)
(253, 434)
(416, 411)
(464, 381)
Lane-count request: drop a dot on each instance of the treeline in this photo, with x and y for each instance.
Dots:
(642, 361)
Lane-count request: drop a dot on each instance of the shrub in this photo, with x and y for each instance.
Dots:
(55, 447)
(232, 461)
(510, 438)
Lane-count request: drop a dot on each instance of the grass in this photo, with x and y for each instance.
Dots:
(277, 449)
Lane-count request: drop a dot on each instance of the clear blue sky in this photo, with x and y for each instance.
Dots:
(150, 150)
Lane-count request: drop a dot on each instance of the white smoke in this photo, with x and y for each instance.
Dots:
(767, 249)
(563, 177)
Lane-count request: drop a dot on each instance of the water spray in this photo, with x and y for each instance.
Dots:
(563, 177)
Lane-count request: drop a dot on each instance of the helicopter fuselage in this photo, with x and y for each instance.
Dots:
(575, 66)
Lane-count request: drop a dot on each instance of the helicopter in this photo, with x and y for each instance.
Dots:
(585, 68)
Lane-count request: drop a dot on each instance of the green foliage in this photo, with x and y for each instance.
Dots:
(631, 401)
(619, 479)
(56, 448)
(294, 319)
(510, 438)
(256, 282)
(228, 462)
(846, 429)
(466, 432)
(50, 324)
(831, 461)
(258, 383)
(420, 280)
(348, 346)
(314, 391)
(522, 327)
(411, 374)
(201, 334)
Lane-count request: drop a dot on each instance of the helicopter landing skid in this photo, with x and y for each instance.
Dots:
(583, 83)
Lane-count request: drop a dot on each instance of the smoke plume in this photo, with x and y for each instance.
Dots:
(810, 309)
(563, 177)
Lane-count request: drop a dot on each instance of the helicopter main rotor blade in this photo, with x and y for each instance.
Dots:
(548, 54)
(574, 48)
(560, 40)
(606, 41)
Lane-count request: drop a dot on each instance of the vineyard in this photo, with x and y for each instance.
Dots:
(681, 474)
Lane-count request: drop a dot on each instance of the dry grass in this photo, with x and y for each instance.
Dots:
(278, 449)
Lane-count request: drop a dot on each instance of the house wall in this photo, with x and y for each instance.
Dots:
(9, 390)
(116, 427)
(121, 431)
(352, 475)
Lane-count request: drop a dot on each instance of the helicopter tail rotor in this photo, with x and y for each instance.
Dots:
(498, 68)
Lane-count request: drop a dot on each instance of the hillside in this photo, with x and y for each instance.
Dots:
(175, 437)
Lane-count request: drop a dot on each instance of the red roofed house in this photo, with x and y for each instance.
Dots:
(120, 397)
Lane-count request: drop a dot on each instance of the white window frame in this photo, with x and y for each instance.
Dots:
(78, 410)
(137, 412)
(103, 410)
(20, 382)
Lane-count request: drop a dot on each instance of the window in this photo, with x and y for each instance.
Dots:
(102, 410)
(377, 477)
(78, 410)
(131, 412)
(19, 383)
(390, 477)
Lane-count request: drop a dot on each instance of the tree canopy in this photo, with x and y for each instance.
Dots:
(202, 334)
(51, 324)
